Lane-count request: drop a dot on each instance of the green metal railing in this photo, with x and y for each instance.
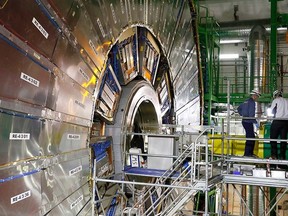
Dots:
(239, 90)
(215, 82)
(210, 49)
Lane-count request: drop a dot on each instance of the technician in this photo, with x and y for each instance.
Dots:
(279, 126)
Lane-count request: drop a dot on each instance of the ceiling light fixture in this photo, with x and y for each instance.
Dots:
(278, 29)
(231, 41)
(228, 56)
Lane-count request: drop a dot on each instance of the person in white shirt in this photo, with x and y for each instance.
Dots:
(279, 126)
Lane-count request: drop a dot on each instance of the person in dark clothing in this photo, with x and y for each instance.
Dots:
(279, 126)
(247, 109)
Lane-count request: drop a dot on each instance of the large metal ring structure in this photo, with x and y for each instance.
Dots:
(139, 101)
(63, 65)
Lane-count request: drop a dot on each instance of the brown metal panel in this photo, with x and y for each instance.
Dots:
(87, 36)
(21, 78)
(73, 15)
(21, 196)
(61, 8)
(68, 59)
(26, 19)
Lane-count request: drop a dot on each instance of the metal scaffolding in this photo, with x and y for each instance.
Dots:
(177, 190)
(166, 192)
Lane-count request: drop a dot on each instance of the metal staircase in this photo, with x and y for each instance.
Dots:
(182, 183)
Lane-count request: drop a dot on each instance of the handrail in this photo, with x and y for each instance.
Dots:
(169, 190)
(165, 176)
(178, 180)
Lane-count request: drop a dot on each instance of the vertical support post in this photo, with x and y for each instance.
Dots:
(182, 139)
(93, 187)
(273, 202)
(273, 73)
(228, 116)
(218, 72)
(227, 199)
(245, 90)
(96, 191)
(206, 179)
(220, 205)
(273, 46)
(250, 200)
(209, 42)
(124, 155)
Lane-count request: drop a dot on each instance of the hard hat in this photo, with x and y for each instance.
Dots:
(255, 92)
(277, 93)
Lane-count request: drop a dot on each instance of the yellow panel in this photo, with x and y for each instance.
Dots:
(236, 147)
(147, 74)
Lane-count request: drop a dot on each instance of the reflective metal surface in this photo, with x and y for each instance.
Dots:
(17, 169)
(63, 97)
(41, 112)
(257, 58)
(68, 59)
(22, 107)
(186, 84)
(20, 138)
(70, 98)
(87, 36)
(63, 178)
(22, 79)
(28, 21)
(134, 95)
(182, 44)
(193, 108)
(169, 21)
(164, 95)
(21, 196)
(73, 204)
(87, 210)
(65, 137)
(110, 15)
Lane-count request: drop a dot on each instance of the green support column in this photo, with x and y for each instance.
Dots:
(273, 46)
(273, 73)
(217, 84)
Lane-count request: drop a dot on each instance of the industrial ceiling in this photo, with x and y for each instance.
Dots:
(234, 13)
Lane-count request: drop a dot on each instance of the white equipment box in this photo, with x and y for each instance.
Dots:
(160, 146)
